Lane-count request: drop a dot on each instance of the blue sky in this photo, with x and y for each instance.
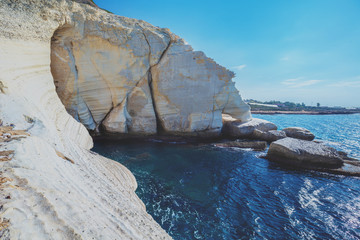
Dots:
(289, 50)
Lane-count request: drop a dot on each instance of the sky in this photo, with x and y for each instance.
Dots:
(304, 51)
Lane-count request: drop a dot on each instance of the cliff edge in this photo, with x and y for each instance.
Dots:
(110, 72)
(125, 76)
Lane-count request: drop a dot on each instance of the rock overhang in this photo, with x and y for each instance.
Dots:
(113, 71)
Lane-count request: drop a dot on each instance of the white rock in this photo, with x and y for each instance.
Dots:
(235, 128)
(98, 61)
(191, 92)
(52, 198)
(97, 65)
(116, 121)
(97, 72)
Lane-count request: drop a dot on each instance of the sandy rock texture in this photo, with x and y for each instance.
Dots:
(127, 76)
(44, 194)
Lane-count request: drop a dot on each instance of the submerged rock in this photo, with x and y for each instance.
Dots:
(256, 145)
(348, 169)
(299, 133)
(238, 129)
(304, 153)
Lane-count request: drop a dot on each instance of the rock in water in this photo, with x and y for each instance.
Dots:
(304, 153)
(269, 136)
(299, 133)
(237, 129)
(256, 145)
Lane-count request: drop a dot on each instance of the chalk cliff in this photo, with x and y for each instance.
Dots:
(124, 75)
(131, 77)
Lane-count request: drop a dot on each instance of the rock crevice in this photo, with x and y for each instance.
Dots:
(185, 92)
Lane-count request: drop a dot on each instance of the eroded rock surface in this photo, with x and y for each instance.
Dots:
(99, 67)
(49, 196)
(110, 69)
(237, 129)
(191, 92)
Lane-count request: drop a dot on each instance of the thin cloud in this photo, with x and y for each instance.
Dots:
(297, 83)
(346, 84)
(240, 67)
(290, 81)
(285, 58)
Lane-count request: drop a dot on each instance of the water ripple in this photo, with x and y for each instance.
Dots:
(205, 192)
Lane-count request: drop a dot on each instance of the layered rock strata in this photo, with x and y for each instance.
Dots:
(123, 75)
(53, 186)
(128, 76)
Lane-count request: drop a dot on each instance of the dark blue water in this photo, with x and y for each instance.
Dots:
(340, 131)
(206, 192)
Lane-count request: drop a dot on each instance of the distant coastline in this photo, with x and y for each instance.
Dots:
(278, 107)
(305, 112)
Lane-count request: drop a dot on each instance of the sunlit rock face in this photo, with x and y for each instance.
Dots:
(97, 72)
(191, 91)
(89, 197)
(127, 76)
(107, 72)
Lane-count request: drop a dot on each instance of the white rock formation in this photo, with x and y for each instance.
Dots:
(191, 92)
(51, 198)
(237, 129)
(122, 72)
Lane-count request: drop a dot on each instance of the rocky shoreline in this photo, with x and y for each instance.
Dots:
(271, 112)
(68, 68)
(292, 146)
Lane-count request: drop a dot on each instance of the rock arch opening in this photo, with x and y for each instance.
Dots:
(140, 80)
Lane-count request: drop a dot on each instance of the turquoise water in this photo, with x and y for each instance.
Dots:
(205, 192)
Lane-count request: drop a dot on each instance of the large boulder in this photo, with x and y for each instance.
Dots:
(191, 91)
(269, 136)
(299, 133)
(103, 66)
(131, 77)
(304, 153)
(238, 129)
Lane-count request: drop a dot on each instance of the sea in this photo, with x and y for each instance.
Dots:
(200, 191)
